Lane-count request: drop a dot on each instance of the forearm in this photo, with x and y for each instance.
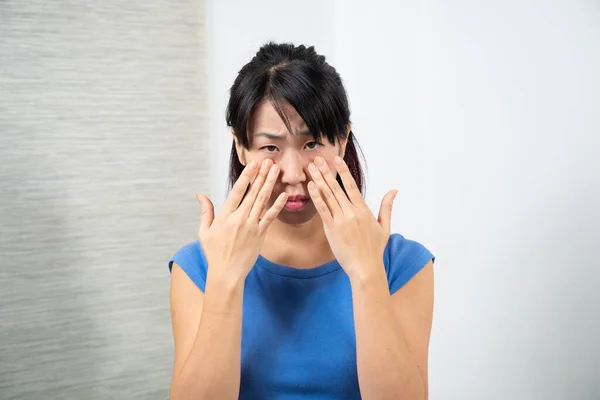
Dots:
(212, 369)
(386, 369)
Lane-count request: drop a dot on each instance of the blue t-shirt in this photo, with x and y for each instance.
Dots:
(298, 338)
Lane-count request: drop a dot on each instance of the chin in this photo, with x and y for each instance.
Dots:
(296, 218)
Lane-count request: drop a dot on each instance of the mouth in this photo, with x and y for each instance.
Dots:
(296, 203)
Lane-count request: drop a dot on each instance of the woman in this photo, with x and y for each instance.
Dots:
(294, 289)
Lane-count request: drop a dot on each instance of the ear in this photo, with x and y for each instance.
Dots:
(344, 142)
(239, 149)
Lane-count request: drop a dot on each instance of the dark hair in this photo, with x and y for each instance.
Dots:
(299, 76)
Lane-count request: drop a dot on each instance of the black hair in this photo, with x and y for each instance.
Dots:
(297, 75)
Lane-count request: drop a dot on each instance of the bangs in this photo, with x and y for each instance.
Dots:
(315, 99)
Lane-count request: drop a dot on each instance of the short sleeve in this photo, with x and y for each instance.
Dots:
(191, 260)
(403, 259)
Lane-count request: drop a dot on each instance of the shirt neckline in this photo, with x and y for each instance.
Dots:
(292, 272)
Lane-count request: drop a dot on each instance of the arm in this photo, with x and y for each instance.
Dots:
(392, 335)
(207, 331)
(208, 327)
(392, 332)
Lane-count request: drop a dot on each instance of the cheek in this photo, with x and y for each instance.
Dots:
(330, 164)
(257, 156)
(328, 153)
(253, 156)
(329, 160)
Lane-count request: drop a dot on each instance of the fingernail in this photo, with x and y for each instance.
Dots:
(312, 167)
(274, 170)
(252, 164)
(395, 194)
(338, 160)
(320, 162)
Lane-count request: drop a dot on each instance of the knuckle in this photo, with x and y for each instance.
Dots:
(235, 222)
(262, 198)
(257, 183)
(238, 190)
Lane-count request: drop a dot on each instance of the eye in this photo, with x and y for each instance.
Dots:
(269, 149)
(312, 145)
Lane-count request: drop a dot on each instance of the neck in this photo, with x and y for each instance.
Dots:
(309, 232)
(288, 242)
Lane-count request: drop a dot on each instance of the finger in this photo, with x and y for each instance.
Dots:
(319, 203)
(325, 192)
(332, 182)
(264, 194)
(348, 181)
(208, 212)
(250, 198)
(272, 212)
(239, 188)
(385, 211)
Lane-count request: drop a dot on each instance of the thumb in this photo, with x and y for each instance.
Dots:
(208, 211)
(385, 212)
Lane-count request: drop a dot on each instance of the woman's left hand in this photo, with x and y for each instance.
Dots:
(356, 238)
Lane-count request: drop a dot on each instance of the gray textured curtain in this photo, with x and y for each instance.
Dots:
(103, 144)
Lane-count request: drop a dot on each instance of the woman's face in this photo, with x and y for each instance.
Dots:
(293, 152)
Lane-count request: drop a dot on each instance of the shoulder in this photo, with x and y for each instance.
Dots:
(403, 259)
(190, 258)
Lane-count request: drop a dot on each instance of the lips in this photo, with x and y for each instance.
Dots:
(296, 202)
(297, 197)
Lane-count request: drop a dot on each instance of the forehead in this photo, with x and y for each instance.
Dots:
(266, 119)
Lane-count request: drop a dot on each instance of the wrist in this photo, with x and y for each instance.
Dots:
(368, 274)
(226, 279)
(223, 295)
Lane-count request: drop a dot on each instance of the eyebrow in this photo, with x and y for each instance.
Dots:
(273, 136)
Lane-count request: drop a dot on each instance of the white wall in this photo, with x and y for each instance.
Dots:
(485, 118)
(514, 109)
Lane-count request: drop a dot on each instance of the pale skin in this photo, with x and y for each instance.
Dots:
(392, 331)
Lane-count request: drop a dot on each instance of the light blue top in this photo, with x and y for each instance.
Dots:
(298, 339)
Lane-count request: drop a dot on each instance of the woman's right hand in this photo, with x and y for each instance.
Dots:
(232, 239)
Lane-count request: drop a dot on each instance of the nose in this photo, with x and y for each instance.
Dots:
(292, 168)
